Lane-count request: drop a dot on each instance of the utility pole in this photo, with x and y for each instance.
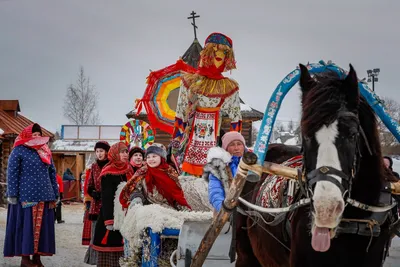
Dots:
(373, 77)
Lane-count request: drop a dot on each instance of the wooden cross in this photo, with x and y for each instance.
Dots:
(194, 16)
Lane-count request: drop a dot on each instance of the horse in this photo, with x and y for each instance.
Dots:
(342, 158)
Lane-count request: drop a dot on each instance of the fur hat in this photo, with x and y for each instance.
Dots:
(134, 150)
(154, 149)
(229, 137)
(102, 144)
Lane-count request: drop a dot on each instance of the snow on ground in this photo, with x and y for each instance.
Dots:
(69, 251)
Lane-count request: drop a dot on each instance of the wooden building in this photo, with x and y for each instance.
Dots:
(75, 151)
(11, 124)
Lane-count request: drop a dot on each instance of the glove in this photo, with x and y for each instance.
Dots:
(12, 200)
(110, 227)
(96, 195)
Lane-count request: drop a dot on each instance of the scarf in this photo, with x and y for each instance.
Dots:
(165, 179)
(212, 72)
(116, 166)
(25, 138)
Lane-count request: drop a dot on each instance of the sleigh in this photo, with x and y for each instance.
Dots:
(161, 236)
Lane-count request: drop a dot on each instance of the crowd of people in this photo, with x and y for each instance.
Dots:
(148, 176)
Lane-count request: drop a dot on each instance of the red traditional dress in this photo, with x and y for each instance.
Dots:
(109, 243)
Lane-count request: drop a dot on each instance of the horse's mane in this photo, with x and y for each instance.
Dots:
(321, 105)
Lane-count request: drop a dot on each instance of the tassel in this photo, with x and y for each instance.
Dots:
(105, 238)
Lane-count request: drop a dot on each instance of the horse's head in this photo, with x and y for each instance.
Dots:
(330, 134)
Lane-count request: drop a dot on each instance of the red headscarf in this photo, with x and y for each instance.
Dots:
(25, 138)
(167, 186)
(116, 166)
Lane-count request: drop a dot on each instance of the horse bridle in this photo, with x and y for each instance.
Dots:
(326, 173)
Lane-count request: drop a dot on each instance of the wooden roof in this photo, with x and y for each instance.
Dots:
(15, 124)
(192, 55)
(10, 105)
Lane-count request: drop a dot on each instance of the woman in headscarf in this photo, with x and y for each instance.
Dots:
(93, 189)
(32, 193)
(107, 241)
(155, 183)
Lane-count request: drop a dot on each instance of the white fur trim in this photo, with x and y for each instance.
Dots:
(218, 153)
(119, 214)
(157, 218)
(196, 192)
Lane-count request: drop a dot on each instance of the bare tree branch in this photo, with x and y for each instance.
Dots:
(388, 141)
(81, 100)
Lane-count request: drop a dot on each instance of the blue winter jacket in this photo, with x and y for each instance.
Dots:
(28, 178)
(216, 192)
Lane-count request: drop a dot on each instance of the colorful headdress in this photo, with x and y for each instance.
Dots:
(219, 38)
(223, 42)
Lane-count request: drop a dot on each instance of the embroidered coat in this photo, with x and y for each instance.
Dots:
(94, 189)
(199, 116)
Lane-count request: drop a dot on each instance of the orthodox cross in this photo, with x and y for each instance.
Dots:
(194, 16)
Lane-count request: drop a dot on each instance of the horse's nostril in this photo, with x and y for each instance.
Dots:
(339, 207)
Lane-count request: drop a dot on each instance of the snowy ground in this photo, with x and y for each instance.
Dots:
(70, 252)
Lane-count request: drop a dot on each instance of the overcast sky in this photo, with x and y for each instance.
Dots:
(43, 43)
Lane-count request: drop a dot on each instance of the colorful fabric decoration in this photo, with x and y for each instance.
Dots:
(160, 85)
(137, 133)
(219, 38)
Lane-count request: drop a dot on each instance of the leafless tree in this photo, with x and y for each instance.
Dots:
(388, 141)
(81, 101)
(291, 126)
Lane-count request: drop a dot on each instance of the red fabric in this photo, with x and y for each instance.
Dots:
(212, 72)
(87, 229)
(153, 81)
(116, 166)
(38, 143)
(60, 184)
(165, 185)
(105, 238)
(86, 183)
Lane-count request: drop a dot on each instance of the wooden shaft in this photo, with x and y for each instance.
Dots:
(230, 203)
(273, 168)
(395, 188)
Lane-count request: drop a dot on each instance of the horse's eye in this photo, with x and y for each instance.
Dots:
(353, 135)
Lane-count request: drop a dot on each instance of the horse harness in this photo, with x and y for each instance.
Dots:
(368, 225)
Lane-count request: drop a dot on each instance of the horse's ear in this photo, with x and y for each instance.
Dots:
(352, 91)
(306, 82)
